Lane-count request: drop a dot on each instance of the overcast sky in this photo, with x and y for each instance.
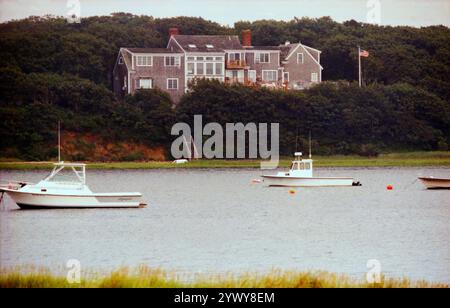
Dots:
(226, 12)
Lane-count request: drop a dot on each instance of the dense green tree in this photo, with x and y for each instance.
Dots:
(53, 70)
(342, 117)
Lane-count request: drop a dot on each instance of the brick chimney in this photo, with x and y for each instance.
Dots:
(173, 31)
(247, 38)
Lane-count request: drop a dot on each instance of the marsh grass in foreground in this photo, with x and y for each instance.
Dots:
(407, 159)
(145, 277)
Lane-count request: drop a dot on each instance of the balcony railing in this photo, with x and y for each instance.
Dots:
(236, 64)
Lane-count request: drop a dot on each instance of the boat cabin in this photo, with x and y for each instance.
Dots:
(301, 167)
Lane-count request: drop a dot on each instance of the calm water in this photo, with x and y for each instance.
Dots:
(218, 221)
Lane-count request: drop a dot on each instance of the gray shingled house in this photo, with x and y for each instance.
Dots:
(222, 57)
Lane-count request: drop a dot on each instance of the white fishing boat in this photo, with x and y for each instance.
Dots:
(65, 187)
(435, 183)
(301, 175)
(62, 190)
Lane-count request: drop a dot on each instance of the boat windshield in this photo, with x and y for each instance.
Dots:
(64, 176)
(67, 174)
(300, 166)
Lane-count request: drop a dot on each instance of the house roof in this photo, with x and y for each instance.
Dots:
(126, 56)
(216, 43)
(285, 50)
(219, 43)
(150, 50)
(276, 48)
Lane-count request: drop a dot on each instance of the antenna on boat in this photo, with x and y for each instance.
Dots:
(59, 141)
(310, 154)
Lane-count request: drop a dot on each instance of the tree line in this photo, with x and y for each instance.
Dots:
(51, 69)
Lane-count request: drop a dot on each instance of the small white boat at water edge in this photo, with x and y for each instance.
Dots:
(301, 175)
(435, 183)
(60, 190)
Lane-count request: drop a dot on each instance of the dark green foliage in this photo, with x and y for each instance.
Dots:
(28, 128)
(397, 54)
(343, 118)
(52, 70)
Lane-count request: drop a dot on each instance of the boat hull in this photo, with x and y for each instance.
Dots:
(288, 181)
(435, 183)
(27, 200)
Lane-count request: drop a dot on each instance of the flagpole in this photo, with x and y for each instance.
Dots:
(59, 141)
(359, 67)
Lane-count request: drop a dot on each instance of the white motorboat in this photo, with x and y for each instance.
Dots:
(62, 190)
(301, 175)
(435, 183)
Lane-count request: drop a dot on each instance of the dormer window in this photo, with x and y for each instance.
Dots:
(209, 46)
(192, 46)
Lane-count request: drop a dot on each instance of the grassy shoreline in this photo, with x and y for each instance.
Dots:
(145, 277)
(408, 159)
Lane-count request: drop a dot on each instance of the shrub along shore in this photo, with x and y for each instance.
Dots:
(411, 159)
(145, 277)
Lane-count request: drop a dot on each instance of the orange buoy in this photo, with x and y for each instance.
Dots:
(292, 191)
(389, 187)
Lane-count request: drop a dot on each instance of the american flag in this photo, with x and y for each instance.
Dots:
(364, 53)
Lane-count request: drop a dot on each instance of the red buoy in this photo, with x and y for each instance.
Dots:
(389, 187)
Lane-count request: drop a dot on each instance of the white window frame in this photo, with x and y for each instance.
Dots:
(145, 78)
(276, 75)
(176, 61)
(303, 58)
(232, 56)
(120, 60)
(221, 68)
(194, 68)
(211, 64)
(254, 74)
(202, 64)
(172, 79)
(258, 57)
(316, 79)
(146, 61)
(284, 76)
